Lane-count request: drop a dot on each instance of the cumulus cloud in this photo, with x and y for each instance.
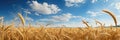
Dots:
(92, 13)
(61, 18)
(117, 5)
(27, 11)
(44, 8)
(65, 17)
(93, 1)
(1, 17)
(37, 14)
(70, 3)
(71, 24)
(29, 19)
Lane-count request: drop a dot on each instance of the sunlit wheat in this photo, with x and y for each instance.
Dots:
(112, 15)
(21, 18)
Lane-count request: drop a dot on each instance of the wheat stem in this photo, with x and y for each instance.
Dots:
(21, 18)
(112, 15)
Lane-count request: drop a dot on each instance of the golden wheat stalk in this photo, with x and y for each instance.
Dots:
(98, 22)
(21, 18)
(19, 31)
(6, 28)
(86, 23)
(112, 15)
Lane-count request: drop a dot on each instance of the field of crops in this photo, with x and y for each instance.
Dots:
(42, 33)
(10, 32)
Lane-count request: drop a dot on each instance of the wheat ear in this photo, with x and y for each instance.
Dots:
(21, 18)
(99, 23)
(86, 23)
(112, 15)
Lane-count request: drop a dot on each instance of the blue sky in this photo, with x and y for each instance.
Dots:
(60, 12)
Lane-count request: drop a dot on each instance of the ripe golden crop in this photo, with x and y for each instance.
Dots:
(11, 32)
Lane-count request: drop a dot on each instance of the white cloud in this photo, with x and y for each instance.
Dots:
(27, 11)
(48, 20)
(117, 5)
(70, 3)
(37, 14)
(92, 13)
(1, 17)
(61, 18)
(29, 19)
(44, 8)
(72, 24)
(93, 1)
(65, 17)
(77, 17)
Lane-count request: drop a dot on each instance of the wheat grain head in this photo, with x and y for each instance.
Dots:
(98, 22)
(112, 15)
(86, 23)
(21, 18)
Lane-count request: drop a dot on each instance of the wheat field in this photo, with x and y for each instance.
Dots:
(10, 32)
(42, 33)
